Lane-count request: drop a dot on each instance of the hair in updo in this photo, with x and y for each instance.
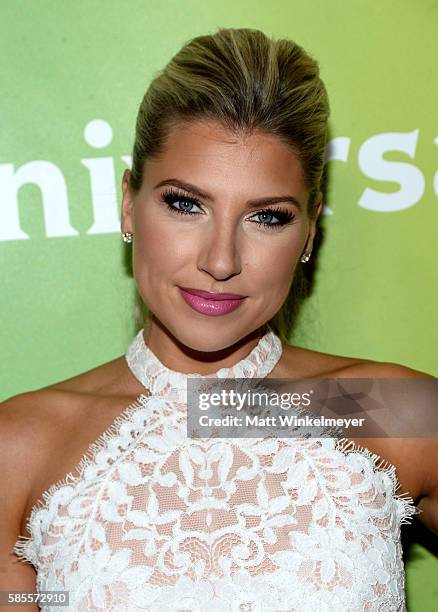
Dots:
(248, 82)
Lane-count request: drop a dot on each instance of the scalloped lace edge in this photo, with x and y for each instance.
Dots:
(409, 509)
(25, 548)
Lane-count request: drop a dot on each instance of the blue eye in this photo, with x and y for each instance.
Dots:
(183, 205)
(184, 202)
(283, 217)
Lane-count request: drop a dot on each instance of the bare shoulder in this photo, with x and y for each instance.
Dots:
(26, 429)
(33, 415)
(302, 362)
(108, 379)
(43, 433)
(30, 423)
(380, 369)
(34, 419)
(24, 418)
(415, 458)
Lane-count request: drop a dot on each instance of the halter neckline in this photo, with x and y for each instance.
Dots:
(159, 379)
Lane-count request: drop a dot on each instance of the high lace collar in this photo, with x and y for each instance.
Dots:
(161, 380)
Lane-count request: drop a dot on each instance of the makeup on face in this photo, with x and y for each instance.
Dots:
(220, 223)
(211, 304)
(180, 199)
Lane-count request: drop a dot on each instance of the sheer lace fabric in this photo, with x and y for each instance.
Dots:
(156, 521)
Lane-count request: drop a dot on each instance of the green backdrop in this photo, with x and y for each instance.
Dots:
(73, 74)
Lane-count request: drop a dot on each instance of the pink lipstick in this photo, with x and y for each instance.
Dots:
(212, 304)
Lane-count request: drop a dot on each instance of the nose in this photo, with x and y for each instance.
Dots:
(220, 251)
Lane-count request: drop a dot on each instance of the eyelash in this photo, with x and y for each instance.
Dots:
(170, 196)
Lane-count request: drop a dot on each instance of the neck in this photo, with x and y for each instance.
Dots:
(179, 356)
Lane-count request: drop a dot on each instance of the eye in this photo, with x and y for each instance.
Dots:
(282, 217)
(182, 204)
(178, 203)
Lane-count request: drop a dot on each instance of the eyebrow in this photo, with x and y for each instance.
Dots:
(259, 202)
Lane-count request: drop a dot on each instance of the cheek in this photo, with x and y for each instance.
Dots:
(274, 267)
(277, 284)
(159, 248)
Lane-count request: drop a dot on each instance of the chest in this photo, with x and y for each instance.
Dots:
(256, 515)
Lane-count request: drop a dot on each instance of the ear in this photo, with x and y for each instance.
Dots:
(127, 217)
(312, 223)
(319, 204)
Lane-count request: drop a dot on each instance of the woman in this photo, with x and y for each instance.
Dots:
(221, 206)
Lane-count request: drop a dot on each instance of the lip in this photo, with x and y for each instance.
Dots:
(212, 296)
(215, 305)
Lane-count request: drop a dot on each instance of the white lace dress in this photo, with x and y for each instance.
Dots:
(152, 520)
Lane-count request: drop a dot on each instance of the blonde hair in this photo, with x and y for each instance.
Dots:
(247, 81)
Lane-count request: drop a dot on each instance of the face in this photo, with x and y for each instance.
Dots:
(219, 213)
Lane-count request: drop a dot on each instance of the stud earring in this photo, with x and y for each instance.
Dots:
(127, 237)
(305, 258)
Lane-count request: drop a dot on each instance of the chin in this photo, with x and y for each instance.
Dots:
(207, 341)
(216, 337)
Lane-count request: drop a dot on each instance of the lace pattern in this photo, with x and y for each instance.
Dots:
(155, 521)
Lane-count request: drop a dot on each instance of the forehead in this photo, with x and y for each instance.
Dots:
(206, 152)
